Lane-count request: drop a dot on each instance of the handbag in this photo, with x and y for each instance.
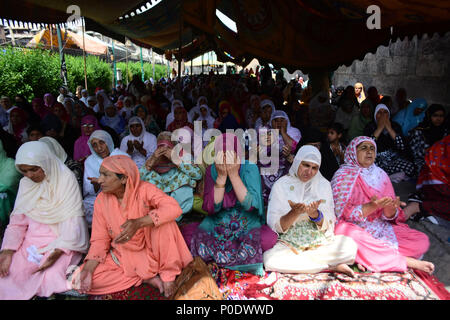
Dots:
(196, 283)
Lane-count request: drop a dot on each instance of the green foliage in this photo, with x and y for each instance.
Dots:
(34, 72)
(135, 68)
(28, 72)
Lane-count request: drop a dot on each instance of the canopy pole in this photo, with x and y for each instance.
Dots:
(180, 55)
(126, 59)
(61, 56)
(114, 65)
(51, 38)
(84, 56)
(153, 63)
(142, 67)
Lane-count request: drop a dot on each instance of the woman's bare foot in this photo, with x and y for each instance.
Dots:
(360, 267)
(169, 288)
(411, 209)
(426, 266)
(156, 282)
(343, 268)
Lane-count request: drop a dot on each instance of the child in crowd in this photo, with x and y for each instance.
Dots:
(334, 136)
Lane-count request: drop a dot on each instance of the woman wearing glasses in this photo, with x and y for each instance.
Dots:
(81, 150)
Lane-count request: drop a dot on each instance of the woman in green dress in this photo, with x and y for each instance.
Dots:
(234, 234)
(9, 183)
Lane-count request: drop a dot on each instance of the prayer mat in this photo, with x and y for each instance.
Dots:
(142, 292)
(236, 285)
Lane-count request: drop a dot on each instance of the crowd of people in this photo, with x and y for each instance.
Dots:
(103, 192)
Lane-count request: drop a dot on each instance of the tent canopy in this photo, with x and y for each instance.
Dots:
(70, 40)
(296, 34)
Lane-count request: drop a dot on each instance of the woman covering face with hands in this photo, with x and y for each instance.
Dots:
(301, 211)
(369, 212)
(233, 234)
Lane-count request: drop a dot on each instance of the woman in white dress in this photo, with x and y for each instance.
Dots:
(301, 211)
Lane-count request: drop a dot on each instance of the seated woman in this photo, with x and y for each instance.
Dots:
(9, 183)
(59, 152)
(171, 116)
(113, 120)
(433, 186)
(151, 125)
(177, 181)
(314, 137)
(429, 131)
(102, 146)
(135, 238)
(81, 148)
(226, 119)
(139, 144)
(194, 113)
(47, 232)
(361, 120)
(288, 138)
(392, 154)
(411, 116)
(368, 211)
(233, 234)
(267, 108)
(18, 125)
(180, 119)
(301, 211)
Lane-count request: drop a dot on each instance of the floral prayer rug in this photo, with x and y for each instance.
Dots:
(142, 292)
(323, 286)
(236, 285)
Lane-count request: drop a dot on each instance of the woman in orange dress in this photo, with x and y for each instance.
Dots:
(135, 238)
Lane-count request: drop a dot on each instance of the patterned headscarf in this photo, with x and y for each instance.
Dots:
(344, 179)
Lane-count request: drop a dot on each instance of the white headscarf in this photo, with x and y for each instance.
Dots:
(196, 108)
(106, 101)
(264, 103)
(171, 116)
(55, 147)
(378, 108)
(292, 132)
(55, 199)
(94, 161)
(137, 120)
(290, 187)
(209, 118)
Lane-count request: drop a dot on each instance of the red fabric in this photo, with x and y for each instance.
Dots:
(437, 163)
(434, 284)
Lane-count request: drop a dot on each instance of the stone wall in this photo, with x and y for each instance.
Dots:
(421, 66)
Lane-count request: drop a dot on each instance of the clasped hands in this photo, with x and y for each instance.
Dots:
(134, 144)
(384, 122)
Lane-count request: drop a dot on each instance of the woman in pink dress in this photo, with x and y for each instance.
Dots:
(47, 232)
(368, 211)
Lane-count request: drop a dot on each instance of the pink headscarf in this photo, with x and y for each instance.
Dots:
(40, 109)
(81, 147)
(344, 179)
